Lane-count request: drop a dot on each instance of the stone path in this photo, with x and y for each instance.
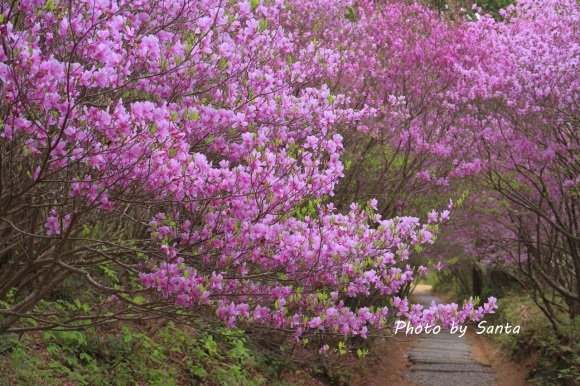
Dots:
(444, 359)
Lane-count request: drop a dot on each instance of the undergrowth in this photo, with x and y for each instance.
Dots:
(126, 356)
(554, 358)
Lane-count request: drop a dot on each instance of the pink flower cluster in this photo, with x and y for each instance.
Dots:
(444, 315)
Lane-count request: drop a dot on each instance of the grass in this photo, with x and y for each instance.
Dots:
(555, 360)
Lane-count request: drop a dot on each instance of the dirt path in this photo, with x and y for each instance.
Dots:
(445, 359)
(415, 360)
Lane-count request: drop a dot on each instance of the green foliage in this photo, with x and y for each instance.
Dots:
(556, 358)
(8, 342)
(308, 208)
(223, 358)
(493, 6)
(352, 14)
(453, 7)
(456, 279)
(126, 356)
(560, 357)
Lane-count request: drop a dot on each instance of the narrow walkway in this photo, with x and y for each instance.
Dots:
(444, 359)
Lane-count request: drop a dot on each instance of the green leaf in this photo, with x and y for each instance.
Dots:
(86, 357)
(49, 5)
(321, 296)
(86, 231)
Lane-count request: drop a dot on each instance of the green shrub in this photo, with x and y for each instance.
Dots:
(559, 362)
(126, 356)
(555, 357)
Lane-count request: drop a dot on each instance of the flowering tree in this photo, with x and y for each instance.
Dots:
(179, 158)
(457, 102)
(397, 68)
(522, 81)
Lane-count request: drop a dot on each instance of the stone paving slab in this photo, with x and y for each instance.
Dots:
(450, 379)
(435, 359)
(437, 355)
(452, 348)
(450, 368)
(438, 349)
(439, 362)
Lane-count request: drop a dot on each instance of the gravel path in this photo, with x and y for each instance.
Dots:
(444, 359)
